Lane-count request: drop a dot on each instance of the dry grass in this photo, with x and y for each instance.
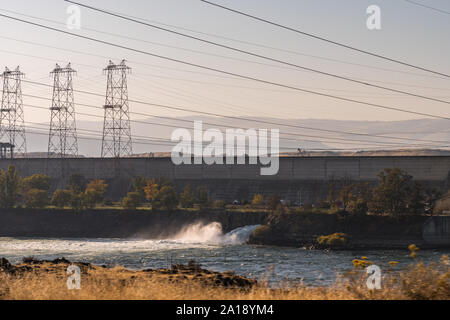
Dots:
(48, 281)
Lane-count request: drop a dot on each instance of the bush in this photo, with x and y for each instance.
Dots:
(165, 198)
(139, 185)
(76, 183)
(416, 201)
(36, 198)
(10, 182)
(61, 198)
(76, 201)
(393, 193)
(358, 206)
(219, 204)
(202, 197)
(334, 240)
(37, 181)
(187, 198)
(89, 199)
(132, 200)
(95, 190)
(258, 200)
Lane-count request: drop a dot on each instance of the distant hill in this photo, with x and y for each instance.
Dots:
(301, 138)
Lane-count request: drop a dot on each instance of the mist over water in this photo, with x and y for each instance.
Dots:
(212, 233)
(213, 249)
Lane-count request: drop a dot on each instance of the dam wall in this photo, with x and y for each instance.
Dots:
(140, 224)
(436, 230)
(302, 179)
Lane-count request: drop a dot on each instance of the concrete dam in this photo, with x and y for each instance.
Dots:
(302, 179)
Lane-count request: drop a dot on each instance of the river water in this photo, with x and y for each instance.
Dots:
(214, 250)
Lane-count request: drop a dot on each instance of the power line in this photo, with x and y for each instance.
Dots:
(426, 6)
(164, 77)
(182, 70)
(167, 142)
(262, 56)
(324, 139)
(227, 72)
(191, 50)
(190, 80)
(226, 38)
(324, 39)
(179, 108)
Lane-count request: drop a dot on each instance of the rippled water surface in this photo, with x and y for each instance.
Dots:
(212, 250)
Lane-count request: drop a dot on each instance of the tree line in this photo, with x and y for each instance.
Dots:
(395, 194)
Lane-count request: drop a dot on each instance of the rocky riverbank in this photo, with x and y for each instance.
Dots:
(37, 280)
(91, 275)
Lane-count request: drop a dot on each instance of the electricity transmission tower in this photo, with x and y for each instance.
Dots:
(116, 140)
(62, 140)
(12, 124)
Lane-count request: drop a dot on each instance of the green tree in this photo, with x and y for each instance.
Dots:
(77, 183)
(3, 189)
(94, 193)
(38, 181)
(219, 204)
(132, 200)
(35, 188)
(139, 185)
(202, 197)
(36, 198)
(258, 200)
(346, 195)
(89, 198)
(9, 187)
(151, 189)
(332, 194)
(392, 195)
(166, 198)
(364, 191)
(416, 203)
(357, 206)
(76, 200)
(362, 196)
(187, 198)
(61, 198)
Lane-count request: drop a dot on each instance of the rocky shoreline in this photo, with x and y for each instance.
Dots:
(191, 272)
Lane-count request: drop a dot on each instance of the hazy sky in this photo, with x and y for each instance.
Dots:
(410, 33)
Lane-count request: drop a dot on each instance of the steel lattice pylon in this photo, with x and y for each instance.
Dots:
(116, 140)
(12, 123)
(62, 140)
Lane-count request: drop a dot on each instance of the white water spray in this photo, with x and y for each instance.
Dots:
(212, 233)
